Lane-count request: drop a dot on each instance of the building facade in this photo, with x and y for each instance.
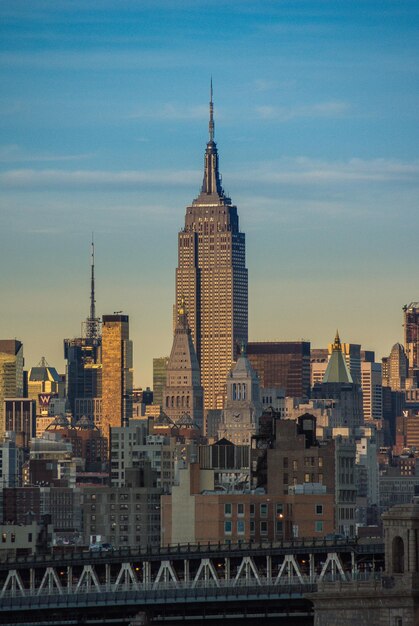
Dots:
(11, 374)
(212, 277)
(117, 372)
(159, 378)
(283, 364)
(243, 406)
(183, 393)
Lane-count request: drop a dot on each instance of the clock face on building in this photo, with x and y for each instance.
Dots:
(236, 417)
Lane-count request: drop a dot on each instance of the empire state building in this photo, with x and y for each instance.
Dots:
(212, 277)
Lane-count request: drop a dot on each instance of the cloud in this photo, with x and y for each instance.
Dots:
(320, 109)
(306, 171)
(53, 178)
(13, 153)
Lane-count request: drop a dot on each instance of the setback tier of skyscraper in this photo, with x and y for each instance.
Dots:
(212, 277)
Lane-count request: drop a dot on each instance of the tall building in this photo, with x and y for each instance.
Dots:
(20, 418)
(84, 370)
(11, 374)
(411, 338)
(212, 277)
(117, 372)
(372, 391)
(43, 382)
(282, 364)
(183, 391)
(351, 353)
(338, 385)
(159, 378)
(395, 368)
(240, 418)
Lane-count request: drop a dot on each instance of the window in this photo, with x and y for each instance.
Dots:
(264, 528)
(318, 527)
(240, 509)
(285, 462)
(252, 510)
(319, 509)
(13, 537)
(279, 510)
(263, 510)
(228, 527)
(240, 527)
(227, 509)
(29, 537)
(320, 461)
(295, 465)
(252, 527)
(306, 478)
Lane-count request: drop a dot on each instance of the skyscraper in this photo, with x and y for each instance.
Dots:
(11, 374)
(182, 392)
(411, 339)
(117, 373)
(212, 277)
(83, 356)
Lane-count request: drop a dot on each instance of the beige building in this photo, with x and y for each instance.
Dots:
(243, 407)
(183, 392)
(11, 374)
(117, 372)
(212, 277)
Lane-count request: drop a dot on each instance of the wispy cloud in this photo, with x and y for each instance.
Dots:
(94, 179)
(320, 109)
(301, 171)
(14, 153)
(305, 171)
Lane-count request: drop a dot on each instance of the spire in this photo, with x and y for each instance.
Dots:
(211, 185)
(337, 371)
(337, 345)
(92, 283)
(92, 322)
(211, 116)
(182, 314)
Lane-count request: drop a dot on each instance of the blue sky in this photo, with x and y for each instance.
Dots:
(103, 120)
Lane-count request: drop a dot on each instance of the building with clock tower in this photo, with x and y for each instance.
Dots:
(243, 406)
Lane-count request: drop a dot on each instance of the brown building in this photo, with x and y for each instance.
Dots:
(283, 364)
(117, 373)
(212, 277)
(195, 512)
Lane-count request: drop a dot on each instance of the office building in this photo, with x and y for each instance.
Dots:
(117, 372)
(183, 393)
(159, 378)
(351, 352)
(11, 374)
(338, 385)
(20, 418)
(283, 364)
(411, 340)
(212, 277)
(44, 383)
(83, 369)
(372, 391)
(240, 417)
(395, 368)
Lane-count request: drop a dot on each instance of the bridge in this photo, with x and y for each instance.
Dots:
(179, 583)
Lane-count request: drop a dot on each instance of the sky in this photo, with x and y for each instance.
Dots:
(103, 126)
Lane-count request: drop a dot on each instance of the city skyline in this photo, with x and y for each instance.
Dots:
(103, 124)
